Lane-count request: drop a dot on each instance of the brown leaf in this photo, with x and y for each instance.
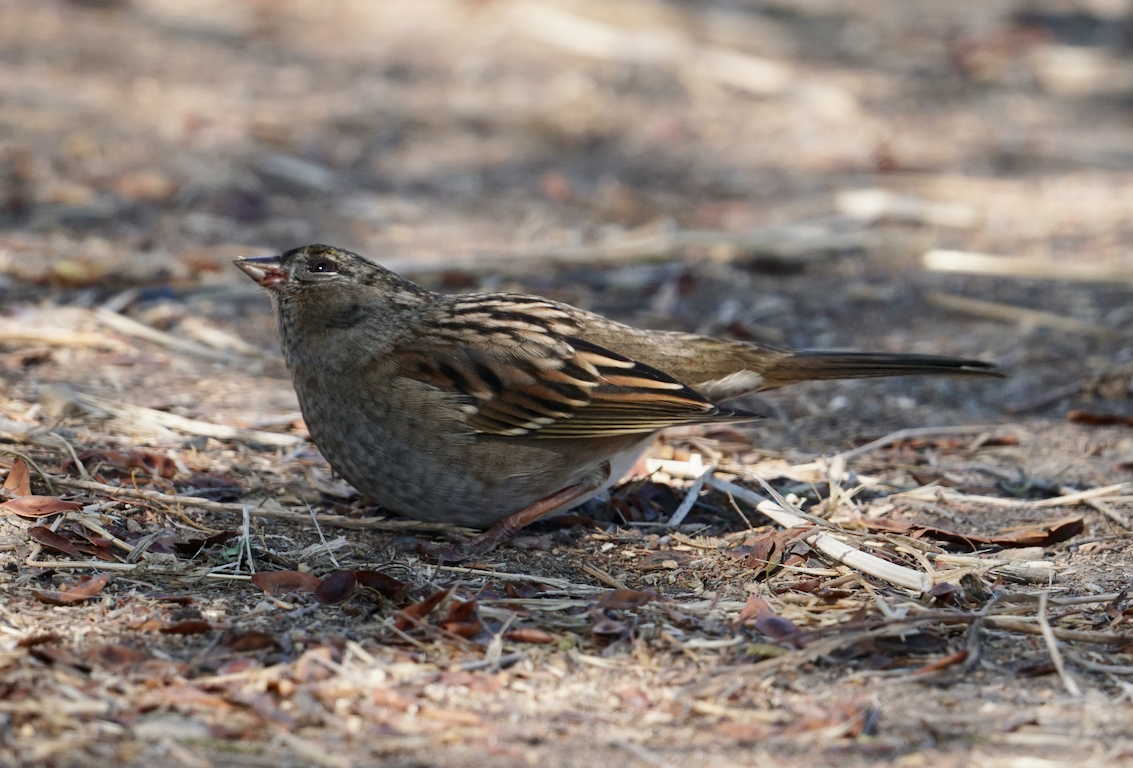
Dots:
(766, 621)
(115, 656)
(53, 654)
(250, 641)
(603, 626)
(627, 599)
(50, 538)
(529, 635)
(463, 619)
(187, 627)
(386, 586)
(335, 588)
(193, 547)
(38, 506)
(100, 549)
(746, 733)
(86, 588)
(802, 585)
(944, 663)
(52, 597)
(1092, 419)
(19, 479)
(309, 668)
(752, 607)
(1039, 535)
(150, 463)
(277, 583)
(776, 627)
(411, 615)
(34, 640)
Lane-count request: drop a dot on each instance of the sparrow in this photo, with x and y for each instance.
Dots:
(497, 409)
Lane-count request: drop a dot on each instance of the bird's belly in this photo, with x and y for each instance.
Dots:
(410, 463)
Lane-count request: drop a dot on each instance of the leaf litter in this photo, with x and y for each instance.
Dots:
(181, 478)
(379, 640)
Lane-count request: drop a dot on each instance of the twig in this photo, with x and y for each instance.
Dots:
(151, 417)
(322, 538)
(1052, 646)
(1048, 398)
(906, 434)
(560, 584)
(603, 577)
(1022, 315)
(311, 751)
(1068, 635)
(1093, 666)
(217, 339)
(1109, 512)
(74, 456)
(876, 204)
(690, 497)
(246, 540)
(102, 565)
(837, 550)
(16, 332)
(1021, 266)
(934, 493)
(332, 521)
(129, 327)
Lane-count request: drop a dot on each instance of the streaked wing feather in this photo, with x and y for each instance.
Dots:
(529, 375)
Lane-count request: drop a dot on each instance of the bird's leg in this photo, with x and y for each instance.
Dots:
(492, 538)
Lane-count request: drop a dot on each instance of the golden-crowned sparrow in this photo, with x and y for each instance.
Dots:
(480, 408)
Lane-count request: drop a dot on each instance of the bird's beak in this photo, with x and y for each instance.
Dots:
(265, 270)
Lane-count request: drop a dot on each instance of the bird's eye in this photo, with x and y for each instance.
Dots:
(321, 265)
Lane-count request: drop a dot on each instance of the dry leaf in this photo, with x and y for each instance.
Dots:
(193, 547)
(187, 627)
(38, 506)
(603, 626)
(529, 635)
(411, 615)
(277, 583)
(150, 463)
(1039, 535)
(86, 588)
(336, 587)
(1093, 419)
(34, 640)
(386, 586)
(627, 599)
(250, 641)
(115, 656)
(56, 541)
(19, 479)
(463, 619)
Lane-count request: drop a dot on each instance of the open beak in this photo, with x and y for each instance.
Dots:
(265, 270)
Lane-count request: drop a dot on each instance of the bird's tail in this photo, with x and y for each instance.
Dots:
(812, 366)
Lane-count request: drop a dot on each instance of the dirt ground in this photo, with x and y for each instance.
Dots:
(774, 171)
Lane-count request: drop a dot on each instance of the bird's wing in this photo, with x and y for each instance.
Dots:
(524, 372)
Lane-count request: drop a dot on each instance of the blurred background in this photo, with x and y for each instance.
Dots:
(805, 172)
